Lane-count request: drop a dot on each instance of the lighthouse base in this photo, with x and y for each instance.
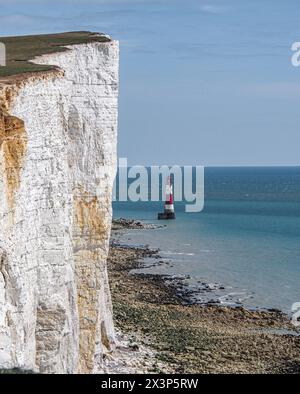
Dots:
(166, 216)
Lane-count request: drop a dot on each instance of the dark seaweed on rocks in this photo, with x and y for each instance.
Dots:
(191, 338)
(121, 224)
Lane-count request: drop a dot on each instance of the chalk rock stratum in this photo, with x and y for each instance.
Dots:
(58, 135)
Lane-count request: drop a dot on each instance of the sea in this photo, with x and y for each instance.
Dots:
(245, 244)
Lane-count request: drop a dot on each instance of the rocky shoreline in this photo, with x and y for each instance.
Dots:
(121, 224)
(160, 314)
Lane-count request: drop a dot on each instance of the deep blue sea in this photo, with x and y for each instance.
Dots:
(247, 238)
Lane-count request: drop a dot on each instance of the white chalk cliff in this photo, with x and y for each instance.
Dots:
(57, 167)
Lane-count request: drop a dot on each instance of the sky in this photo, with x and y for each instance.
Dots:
(202, 82)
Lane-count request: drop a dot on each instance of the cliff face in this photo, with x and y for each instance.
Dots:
(57, 166)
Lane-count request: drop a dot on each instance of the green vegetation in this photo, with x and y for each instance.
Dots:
(21, 49)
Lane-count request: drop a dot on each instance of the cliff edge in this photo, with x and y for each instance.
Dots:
(58, 135)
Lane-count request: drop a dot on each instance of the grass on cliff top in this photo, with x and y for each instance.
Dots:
(21, 49)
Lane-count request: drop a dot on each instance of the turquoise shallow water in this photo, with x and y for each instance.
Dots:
(247, 237)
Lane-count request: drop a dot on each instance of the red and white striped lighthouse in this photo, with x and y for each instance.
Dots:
(169, 212)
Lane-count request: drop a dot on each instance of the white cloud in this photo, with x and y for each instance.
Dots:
(274, 90)
(212, 9)
(4, 2)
